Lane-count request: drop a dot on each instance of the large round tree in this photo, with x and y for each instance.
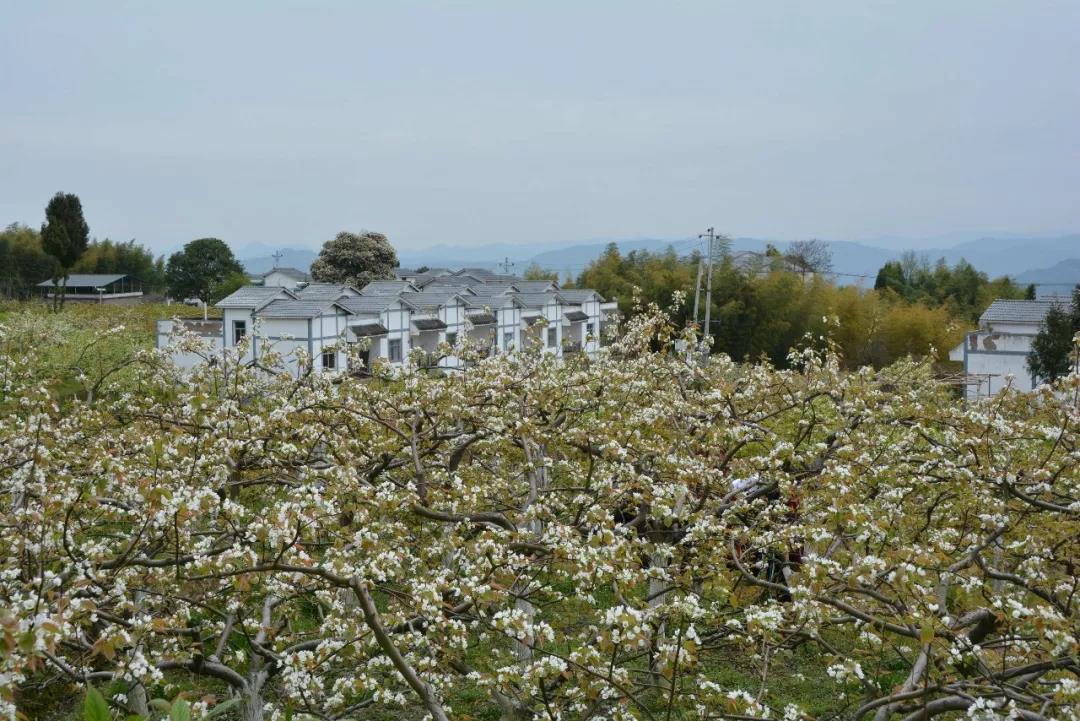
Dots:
(355, 259)
(199, 268)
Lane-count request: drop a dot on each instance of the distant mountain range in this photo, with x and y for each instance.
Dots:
(1027, 260)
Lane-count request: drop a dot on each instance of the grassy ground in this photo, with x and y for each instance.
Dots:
(85, 338)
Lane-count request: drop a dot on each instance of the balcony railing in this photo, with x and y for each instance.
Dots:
(572, 347)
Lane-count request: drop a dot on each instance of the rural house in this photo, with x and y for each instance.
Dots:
(389, 320)
(996, 354)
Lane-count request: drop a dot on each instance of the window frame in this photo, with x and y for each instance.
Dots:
(331, 356)
(391, 344)
(239, 331)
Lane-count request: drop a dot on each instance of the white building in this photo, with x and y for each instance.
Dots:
(542, 320)
(282, 278)
(392, 320)
(996, 354)
(439, 316)
(382, 326)
(582, 316)
(506, 310)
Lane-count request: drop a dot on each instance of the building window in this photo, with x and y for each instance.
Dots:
(508, 340)
(451, 338)
(553, 337)
(588, 329)
(329, 360)
(394, 350)
(239, 330)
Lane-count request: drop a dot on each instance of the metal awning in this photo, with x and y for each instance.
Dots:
(576, 316)
(428, 324)
(482, 319)
(366, 330)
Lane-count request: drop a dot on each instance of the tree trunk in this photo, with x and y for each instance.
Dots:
(253, 703)
(136, 700)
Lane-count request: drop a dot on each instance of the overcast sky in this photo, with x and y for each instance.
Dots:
(535, 122)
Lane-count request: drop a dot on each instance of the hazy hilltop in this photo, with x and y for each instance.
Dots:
(1030, 260)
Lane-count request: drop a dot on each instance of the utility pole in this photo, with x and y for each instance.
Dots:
(277, 256)
(506, 265)
(697, 287)
(706, 338)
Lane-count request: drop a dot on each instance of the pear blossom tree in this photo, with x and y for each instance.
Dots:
(579, 540)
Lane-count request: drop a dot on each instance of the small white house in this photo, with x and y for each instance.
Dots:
(283, 278)
(382, 325)
(438, 316)
(999, 349)
(507, 312)
(542, 320)
(581, 319)
(317, 327)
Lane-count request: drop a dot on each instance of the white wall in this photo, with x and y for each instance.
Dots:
(231, 315)
(989, 358)
(453, 314)
(509, 327)
(278, 280)
(553, 312)
(186, 360)
(591, 308)
(397, 320)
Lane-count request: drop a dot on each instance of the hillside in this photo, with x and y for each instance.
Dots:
(1028, 260)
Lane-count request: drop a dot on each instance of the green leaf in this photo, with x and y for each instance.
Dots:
(180, 711)
(161, 705)
(95, 707)
(221, 708)
(926, 632)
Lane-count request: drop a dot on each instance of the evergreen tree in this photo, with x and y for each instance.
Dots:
(64, 236)
(1052, 350)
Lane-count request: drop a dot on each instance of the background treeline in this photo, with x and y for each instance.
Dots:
(24, 262)
(763, 306)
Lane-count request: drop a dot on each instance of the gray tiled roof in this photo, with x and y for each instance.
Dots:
(429, 301)
(288, 308)
(325, 291)
(456, 280)
(293, 273)
(535, 286)
(253, 296)
(494, 288)
(1017, 311)
(580, 295)
(490, 301)
(370, 304)
(536, 300)
(387, 287)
